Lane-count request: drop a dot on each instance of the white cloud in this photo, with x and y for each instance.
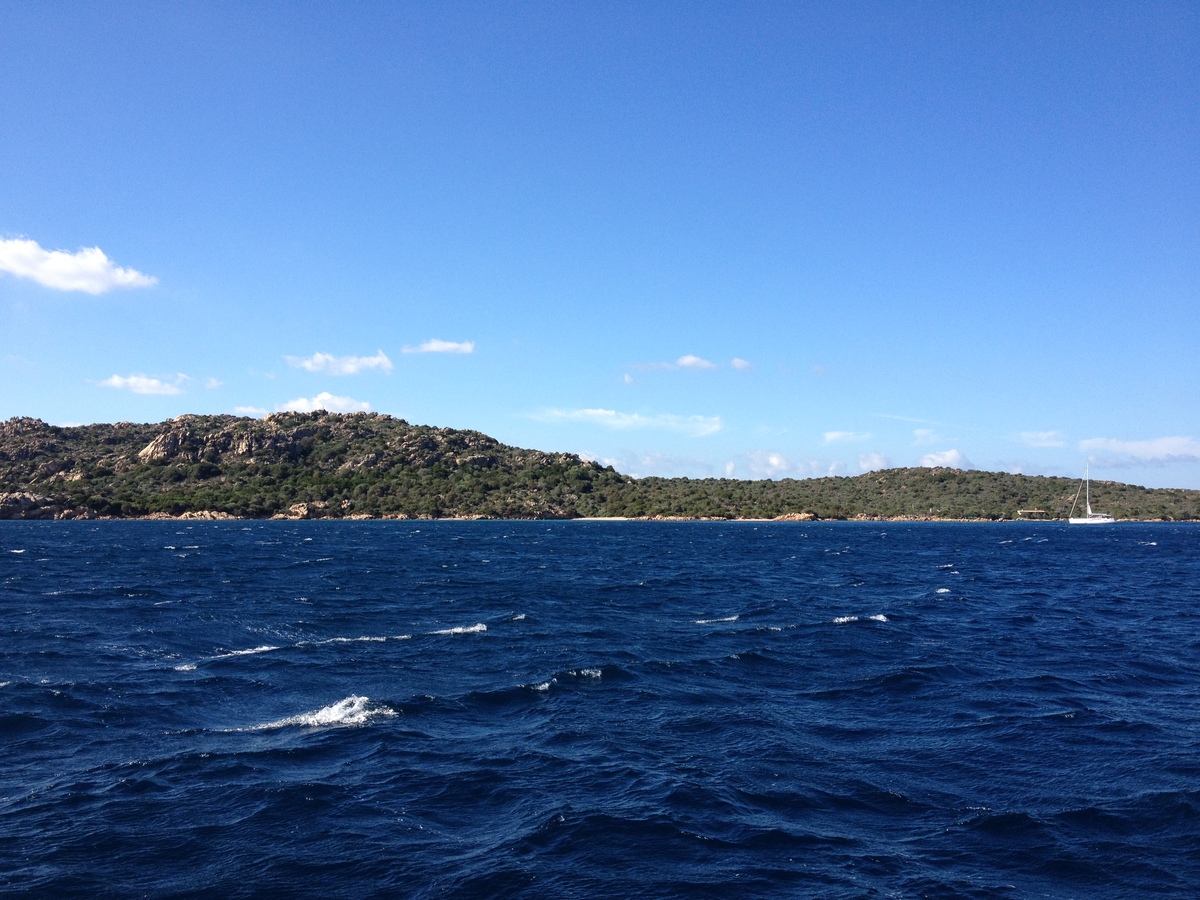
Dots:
(769, 465)
(1043, 439)
(775, 465)
(740, 364)
(142, 384)
(696, 426)
(869, 462)
(88, 269)
(688, 361)
(924, 436)
(250, 411)
(1155, 451)
(628, 378)
(833, 437)
(340, 365)
(212, 383)
(325, 401)
(953, 459)
(438, 346)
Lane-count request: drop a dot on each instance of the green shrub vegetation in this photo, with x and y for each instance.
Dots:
(328, 465)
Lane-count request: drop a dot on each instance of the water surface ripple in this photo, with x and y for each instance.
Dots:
(579, 709)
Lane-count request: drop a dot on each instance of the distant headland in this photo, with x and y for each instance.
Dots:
(370, 466)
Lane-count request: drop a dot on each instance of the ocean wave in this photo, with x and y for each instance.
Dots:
(265, 648)
(477, 628)
(349, 712)
(714, 621)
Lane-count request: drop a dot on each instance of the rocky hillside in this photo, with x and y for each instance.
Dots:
(298, 465)
(365, 465)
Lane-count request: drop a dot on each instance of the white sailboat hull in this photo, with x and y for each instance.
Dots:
(1092, 518)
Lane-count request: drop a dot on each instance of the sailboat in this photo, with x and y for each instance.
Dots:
(1092, 518)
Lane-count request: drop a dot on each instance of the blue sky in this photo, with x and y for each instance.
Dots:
(758, 240)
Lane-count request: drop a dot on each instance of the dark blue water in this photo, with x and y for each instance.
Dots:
(599, 709)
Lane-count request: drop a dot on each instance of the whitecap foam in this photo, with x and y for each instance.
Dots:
(713, 621)
(265, 648)
(544, 686)
(477, 628)
(519, 618)
(186, 667)
(842, 620)
(346, 640)
(4, 684)
(351, 711)
(587, 673)
(878, 618)
(947, 566)
(942, 591)
(16, 551)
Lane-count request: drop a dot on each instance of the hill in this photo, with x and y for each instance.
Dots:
(367, 465)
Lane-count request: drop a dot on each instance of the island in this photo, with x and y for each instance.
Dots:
(323, 465)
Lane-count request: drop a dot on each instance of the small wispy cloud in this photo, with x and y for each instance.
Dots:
(434, 345)
(768, 464)
(144, 384)
(924, 436)
(687, 361)
(953, 459)
(763, 464)
(741, 364)
(871, 462)
(88, 269)
(1043, 439)
(212, 384)
(695, 426)
(340, 365)
(1151, 452)
(325, 401)
(693, 362)
(842, 437)
(911, 419)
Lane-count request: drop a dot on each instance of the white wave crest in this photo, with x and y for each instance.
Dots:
(879, 618)
(587, 673)
(842, 620)
(346, 640)
(942, 591)
(186, 667)
(265, 648)
(16, 551)
(477, 628)
(519, 618)
(351, 711)
(712, 621)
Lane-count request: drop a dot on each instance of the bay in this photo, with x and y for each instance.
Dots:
(537, 709)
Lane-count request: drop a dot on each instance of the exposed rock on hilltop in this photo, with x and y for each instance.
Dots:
(295, 465)
(325, 465)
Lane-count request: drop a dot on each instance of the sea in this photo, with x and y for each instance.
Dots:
(599, 709)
